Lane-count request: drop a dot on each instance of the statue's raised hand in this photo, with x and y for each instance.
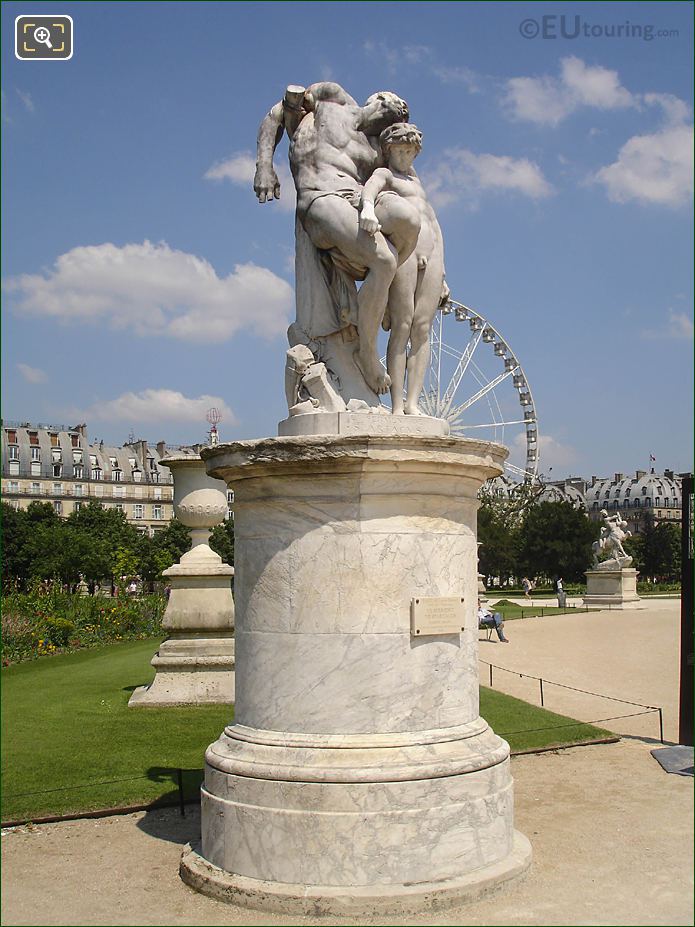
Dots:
(266, 185)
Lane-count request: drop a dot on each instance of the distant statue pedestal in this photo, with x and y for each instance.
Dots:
(195, 665)
(358, 777)
(609, 586)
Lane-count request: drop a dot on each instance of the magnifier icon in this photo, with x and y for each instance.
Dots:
(42, 35)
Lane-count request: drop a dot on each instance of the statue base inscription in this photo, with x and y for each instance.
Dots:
(611, 589)
(358, 776)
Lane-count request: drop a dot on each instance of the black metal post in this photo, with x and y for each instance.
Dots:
(685, 714)
(491, 675)
(541, 682)
(182, 809)
(661, 725)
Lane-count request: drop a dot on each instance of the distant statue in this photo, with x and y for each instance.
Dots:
(334, 150)
(613, 533)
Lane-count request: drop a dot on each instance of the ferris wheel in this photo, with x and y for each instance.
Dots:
(476, 383)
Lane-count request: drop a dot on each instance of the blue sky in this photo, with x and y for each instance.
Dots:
(143, 283)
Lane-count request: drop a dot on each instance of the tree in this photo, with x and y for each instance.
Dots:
(222, 540)
(555, 540)
(174, 541)
(498, 544)
(656, 550)
(15, 557)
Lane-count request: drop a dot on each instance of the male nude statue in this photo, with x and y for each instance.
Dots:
(333, 150)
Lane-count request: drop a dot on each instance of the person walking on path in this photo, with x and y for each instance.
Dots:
(526, 583)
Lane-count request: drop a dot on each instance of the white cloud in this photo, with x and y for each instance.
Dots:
(548, 100)
(458, 75)
(154, 405)
(462, 174)
(26, 99)
(655, 168)
(677, 325)
(32, 374)
(551, 453)
(152, 289)
(240, 169)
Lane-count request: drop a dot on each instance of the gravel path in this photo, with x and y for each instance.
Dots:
(612, 833)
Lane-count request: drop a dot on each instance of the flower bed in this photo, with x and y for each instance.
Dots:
(48, 620)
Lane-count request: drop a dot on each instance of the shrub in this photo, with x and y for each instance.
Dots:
(47, 619)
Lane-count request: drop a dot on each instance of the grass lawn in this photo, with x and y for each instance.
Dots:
(510, 610)
(71, 743)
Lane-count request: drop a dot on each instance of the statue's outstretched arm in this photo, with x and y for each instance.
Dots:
(266, 185)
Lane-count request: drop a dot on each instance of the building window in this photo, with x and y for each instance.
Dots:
(57, 469)
(57, 489)
(667, 502)
(33, 437)
(11, 437)
(138, 510)
(157, 493)
(75, 440)
(119, 491)
(13, 452)
(137, 475)
(119, 506)
(155, 476)
(36, 453)
(637, 503)
(151, 463)
(77, 457)
(647, 501)
(14, 468)
(56, 455)
(36, 468)
(628, 491)
(157, 512)
(116, 475)
(77, 506)
(58, 507)
(14, 486)
(644, 490)
(54, 440)
(657, 502)
(92, 460)
(78, 472)
(36, 489)
(78, 490)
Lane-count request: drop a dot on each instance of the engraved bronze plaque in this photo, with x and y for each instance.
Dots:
(436, 615)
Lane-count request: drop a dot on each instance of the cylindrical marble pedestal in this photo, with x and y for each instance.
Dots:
(359, 776)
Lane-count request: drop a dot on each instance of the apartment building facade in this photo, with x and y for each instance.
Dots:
(57, 464)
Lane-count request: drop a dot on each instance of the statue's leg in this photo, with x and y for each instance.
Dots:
(333, 223)
(400, 222)
(427, 295)
(401, 307)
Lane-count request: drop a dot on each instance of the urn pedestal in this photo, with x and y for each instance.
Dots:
(195, 665)
(358, 777)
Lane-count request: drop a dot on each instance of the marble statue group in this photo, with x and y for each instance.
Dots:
(357, 777)
(362, 216)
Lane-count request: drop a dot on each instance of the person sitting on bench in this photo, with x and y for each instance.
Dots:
(488, 619)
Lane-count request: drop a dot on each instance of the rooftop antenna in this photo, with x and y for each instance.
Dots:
(213, 416)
